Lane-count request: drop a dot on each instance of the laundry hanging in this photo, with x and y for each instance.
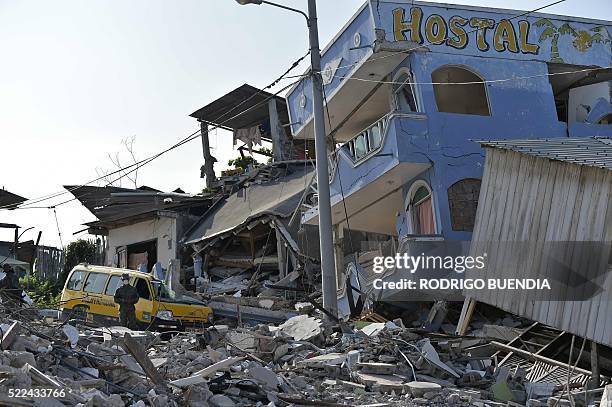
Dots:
(249, 136)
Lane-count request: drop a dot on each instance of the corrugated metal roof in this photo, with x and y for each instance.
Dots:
(590, 151)
(10, 199)
(113, 205)
(247, 107)
(277, 196)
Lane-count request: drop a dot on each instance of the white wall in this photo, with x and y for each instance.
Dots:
(585, 96)
(163, 229)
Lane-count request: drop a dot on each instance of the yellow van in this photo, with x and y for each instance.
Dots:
(89, 295)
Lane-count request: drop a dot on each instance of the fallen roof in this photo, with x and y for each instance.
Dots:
(113, 205)
(14, 262)
(279, 197)
(10, 199)
(246, 98)
(589, 151)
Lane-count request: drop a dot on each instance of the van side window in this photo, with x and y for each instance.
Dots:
(113, 284)
(76, 281)
(95, 283)
(143, 288)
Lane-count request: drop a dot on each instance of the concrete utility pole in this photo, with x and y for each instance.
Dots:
(207, 171)
(278, 139)
(328, 269)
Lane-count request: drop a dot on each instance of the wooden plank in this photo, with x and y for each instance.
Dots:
(143, 360)
(9, 336)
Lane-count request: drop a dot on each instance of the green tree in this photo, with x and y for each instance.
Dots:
(242, 162)
(79, 251)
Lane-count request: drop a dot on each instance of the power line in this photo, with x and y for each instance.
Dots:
(405, 51)
(191, 137)
(517, 78)
(59, 232)
(141, 163)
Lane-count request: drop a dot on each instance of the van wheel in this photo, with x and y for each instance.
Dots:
(79, 313)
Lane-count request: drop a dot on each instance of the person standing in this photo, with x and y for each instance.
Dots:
(127, 297)
(9, 286)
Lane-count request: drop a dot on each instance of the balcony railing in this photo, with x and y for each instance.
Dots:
(366, 142)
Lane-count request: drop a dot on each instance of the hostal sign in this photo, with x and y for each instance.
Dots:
(436, 30)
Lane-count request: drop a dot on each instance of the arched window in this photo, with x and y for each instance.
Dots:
(467, 98)
(420, 209)
(463, 201)
(404, 93)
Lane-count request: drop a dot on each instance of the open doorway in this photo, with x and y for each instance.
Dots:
(132, 255)
(577, 94)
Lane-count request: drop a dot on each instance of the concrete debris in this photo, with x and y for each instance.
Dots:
(301, 328)
(303, 360)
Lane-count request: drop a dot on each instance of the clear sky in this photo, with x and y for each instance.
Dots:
(77, 77)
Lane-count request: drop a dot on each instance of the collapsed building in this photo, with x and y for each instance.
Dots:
(408, 87)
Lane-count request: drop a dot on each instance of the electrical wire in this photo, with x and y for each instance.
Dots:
(192, 136)
(59, 232)
(517, 78)
(424, 45)
(285, 76)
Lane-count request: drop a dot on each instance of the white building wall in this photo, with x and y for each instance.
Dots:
(584, 98)
(163, 229)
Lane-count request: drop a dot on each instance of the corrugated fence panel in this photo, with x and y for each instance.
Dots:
(525, 198)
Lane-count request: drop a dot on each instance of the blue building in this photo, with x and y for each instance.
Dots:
(410, 85)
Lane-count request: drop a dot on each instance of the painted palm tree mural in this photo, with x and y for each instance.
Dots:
(583, 40)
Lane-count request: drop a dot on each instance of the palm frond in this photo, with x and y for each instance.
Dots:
(601, 29)
(547, 33)
(568, 29)
(544, 22)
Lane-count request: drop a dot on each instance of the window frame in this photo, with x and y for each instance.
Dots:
(409, 206)
(136, 280)
(82, 281)
(473, 72)
(413, 88)
(87, 280)
(451, 203)
(108, 284)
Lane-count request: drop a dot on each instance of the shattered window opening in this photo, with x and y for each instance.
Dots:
(468, 98)
(404, 93)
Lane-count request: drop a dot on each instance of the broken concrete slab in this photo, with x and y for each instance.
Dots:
(330, 359)
(202, 375)
(300, 327)
(19, 359)
(377, 368)
(264, 376)
(418, 389)
(385, 383)
(220, 400)
(432, 356)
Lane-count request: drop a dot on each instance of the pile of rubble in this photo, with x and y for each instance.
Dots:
(303, 361)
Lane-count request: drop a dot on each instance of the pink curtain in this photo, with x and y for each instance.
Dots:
(424, 215)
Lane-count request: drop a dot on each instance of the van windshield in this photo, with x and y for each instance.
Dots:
(162, 291)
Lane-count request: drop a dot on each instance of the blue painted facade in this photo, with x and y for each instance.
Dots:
(515, 54)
